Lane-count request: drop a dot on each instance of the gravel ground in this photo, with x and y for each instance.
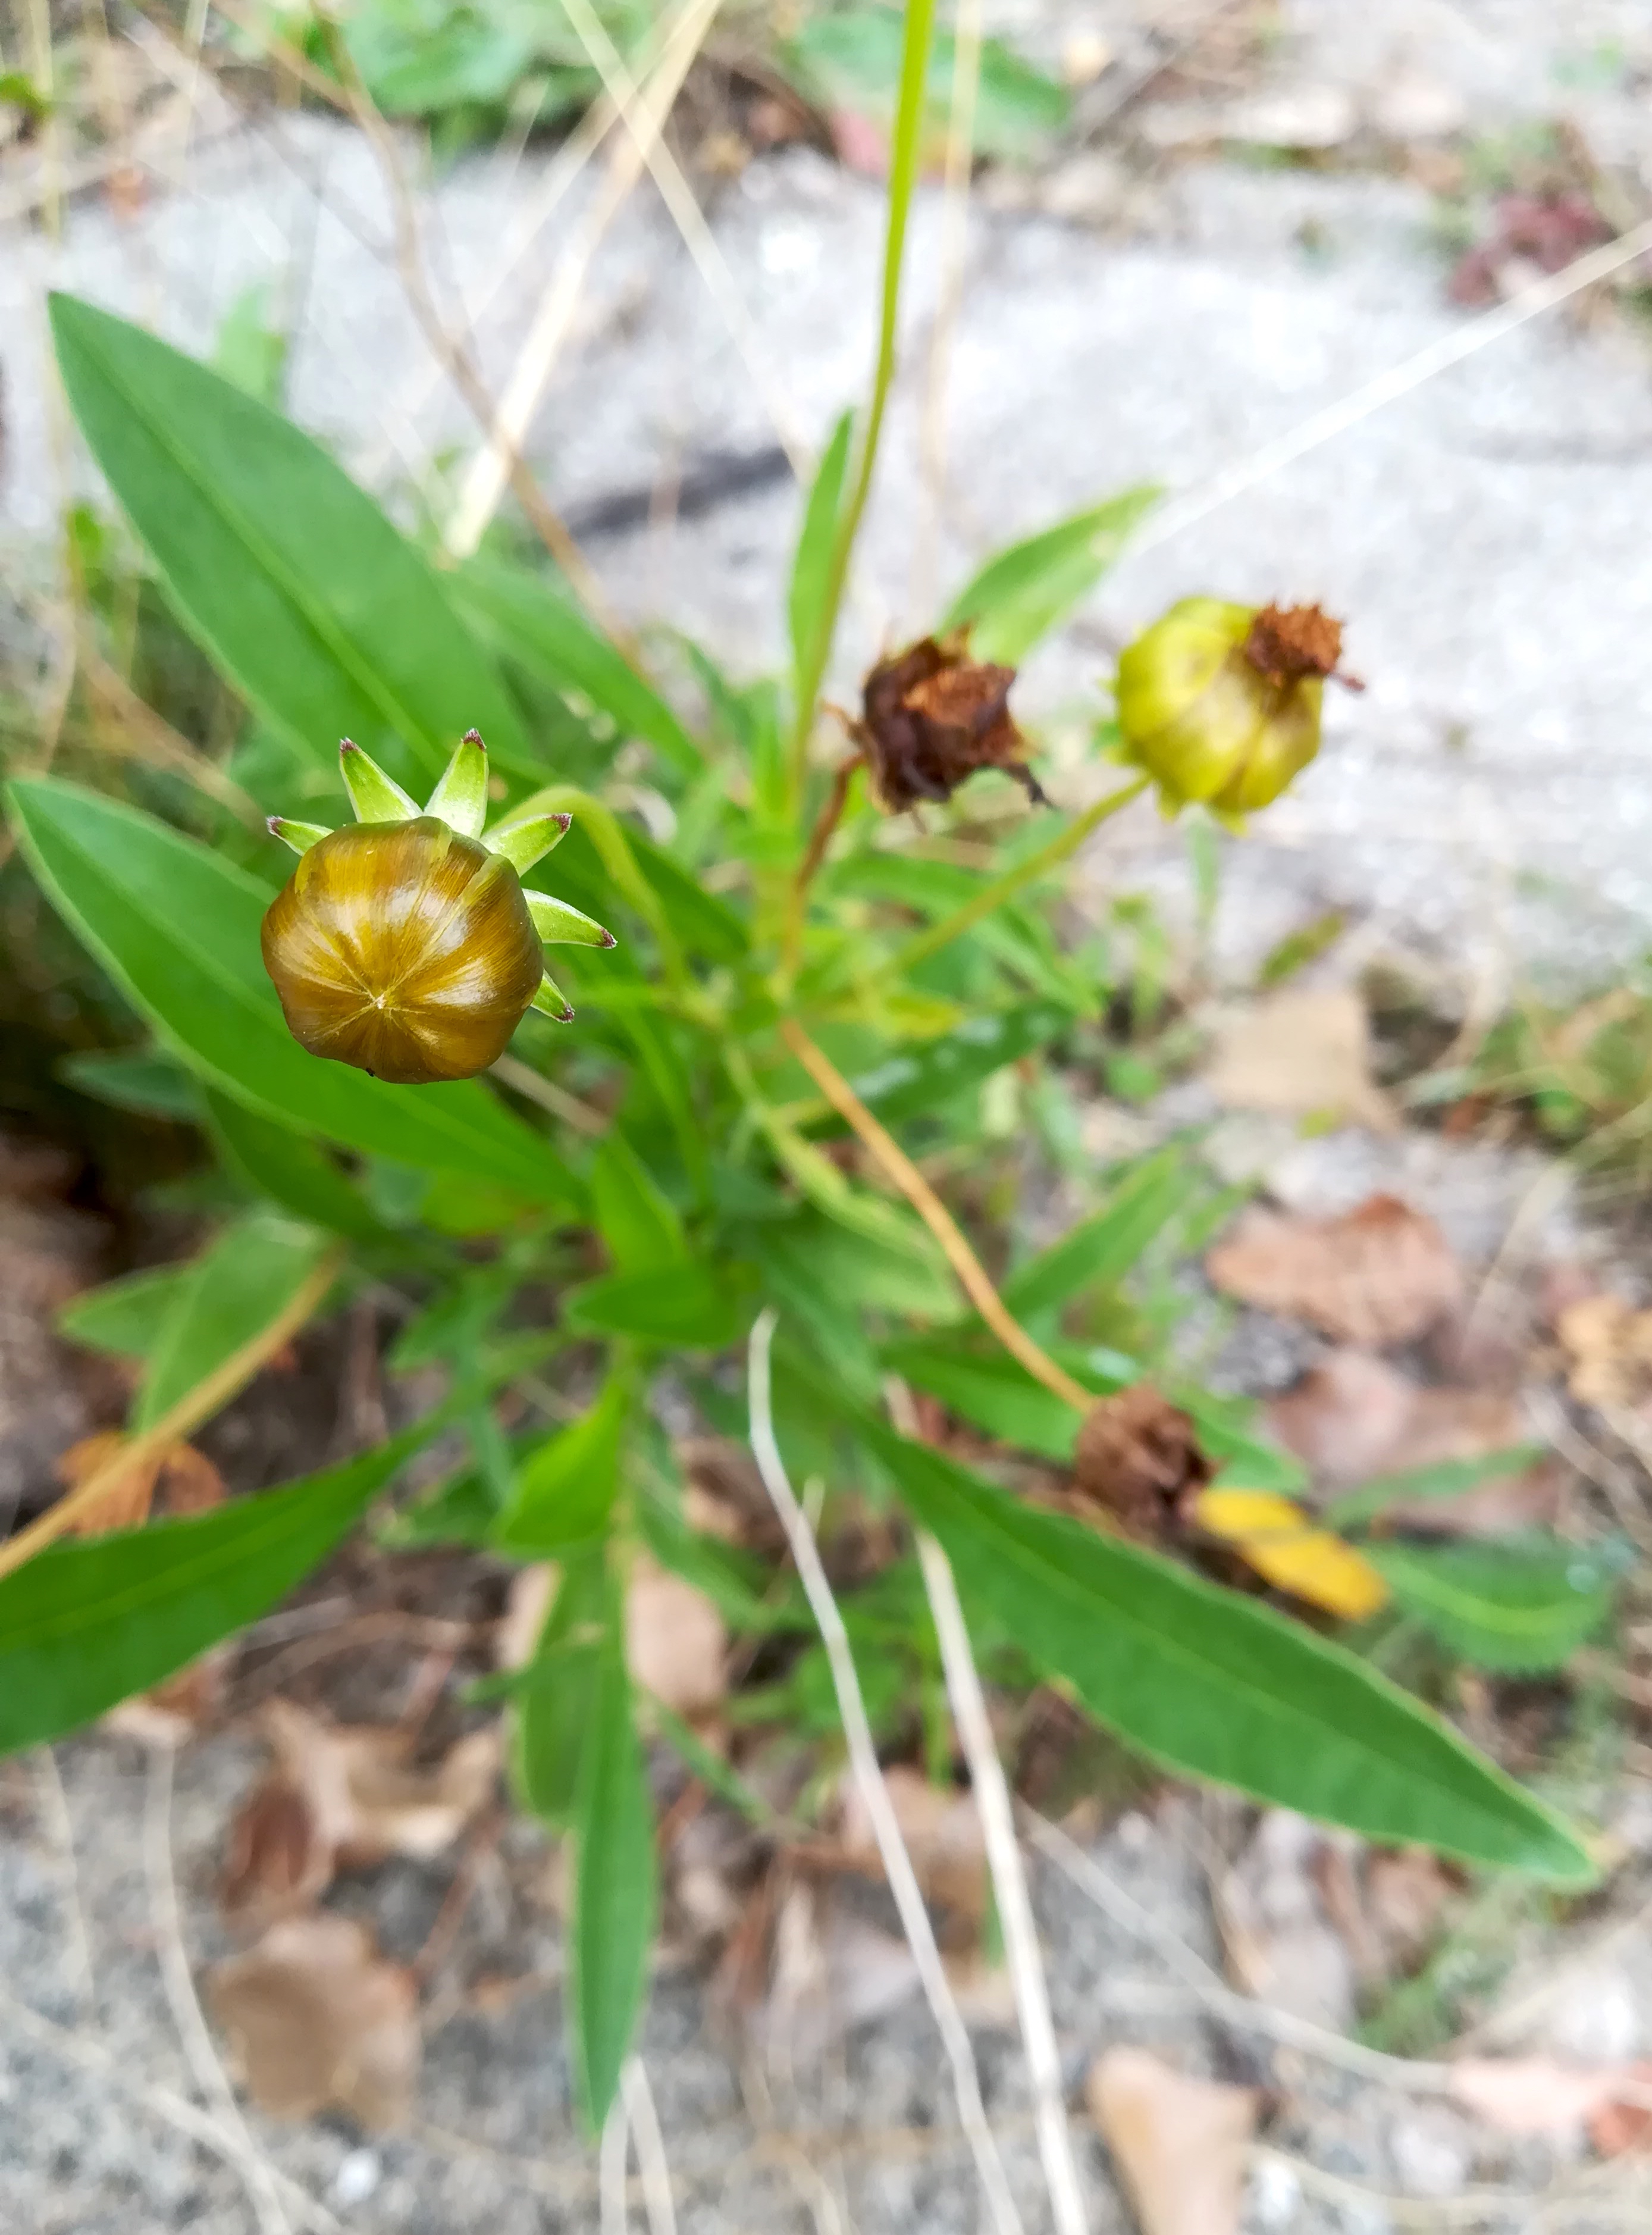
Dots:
(1483, 807)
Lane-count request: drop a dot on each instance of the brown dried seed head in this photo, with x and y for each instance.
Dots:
(932, 717)
(1137, 1453)
(1287, 642)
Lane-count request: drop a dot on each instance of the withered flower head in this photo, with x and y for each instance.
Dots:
(1137, 1455)
(932, 717)
(1221, 703)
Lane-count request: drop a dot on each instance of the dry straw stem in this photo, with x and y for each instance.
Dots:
(697, 236)
(612, 2168)
(91, 2056)
(1466, 341)
(935, 1214)
(176, 1425)
(862, 1762)
(1415, 2076)
(541, 515)
(649, 2143)
(992, 1801)
(496, 465)
(174, 1959)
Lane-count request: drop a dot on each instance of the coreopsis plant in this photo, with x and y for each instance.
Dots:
(397, 1093)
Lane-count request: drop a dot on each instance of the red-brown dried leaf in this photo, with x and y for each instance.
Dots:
(932, 717)
(1379, 1274)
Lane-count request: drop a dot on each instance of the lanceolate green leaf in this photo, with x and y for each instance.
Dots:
(1443, 1480)
(1218, 1685)
(84, 1625)
(917, 1078)
(1105, 1247)
(526, 619)
(634, 1217)
(292, 1171)
(812, 566)
(295, 582)
(246, 1278)
(614, 1891)
(126, 1317)
(177, 928)
(564, 1491)
(682, 1304)
(1021, 594)
(553, 1701)
(1521, 1604)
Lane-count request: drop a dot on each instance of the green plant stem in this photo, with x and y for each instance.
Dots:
(903, 175)
(1013, 881)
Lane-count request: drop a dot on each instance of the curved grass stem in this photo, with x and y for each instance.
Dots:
(903, 176)
(1060, 848)
(905, 1173)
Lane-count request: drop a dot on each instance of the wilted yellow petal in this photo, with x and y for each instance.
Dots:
(1281, 1542)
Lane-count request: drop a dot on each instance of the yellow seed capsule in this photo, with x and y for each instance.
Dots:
(404, 949)
(1221, 703)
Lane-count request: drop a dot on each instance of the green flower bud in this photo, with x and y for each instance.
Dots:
(405, 945)
(1221, 703)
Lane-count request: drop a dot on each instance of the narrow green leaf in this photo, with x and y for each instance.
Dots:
(553, 1698)
(1445, 1479)
(153, 1083)
(177, 928)
(292, 1171)
(634, 1217)
(565, 1490)
(918, 1077)
(1516, 1604)
(1218, 1685)
(705, 924)
(615, 1885)
(524, 619)
(84, 1625)
(983, 1384)
(1025, 590)
(329, 622)
(682, 1304)
(1099, 1252)
(126, 1317)
(246, 1278)
(812, 566)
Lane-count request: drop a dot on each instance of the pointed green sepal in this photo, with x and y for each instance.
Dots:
(301, 836)
(559, 925)
(372, 794)
(460, 799)
(522, 844)
(553, 1001)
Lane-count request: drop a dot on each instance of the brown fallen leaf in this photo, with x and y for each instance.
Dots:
(342, 1795)
(315, 2019)
(1535, 2094)
(1609, 1348)
(676, 1645)
(1282, 1944)
(1624, 2122)
(172, 1714)
(1377, 1274)
(1300, 1054)
(517, 1635)
(1353, 1416)
(1179, 2144)
(942, 1829)
(182, 1480)
(1136, 1455)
